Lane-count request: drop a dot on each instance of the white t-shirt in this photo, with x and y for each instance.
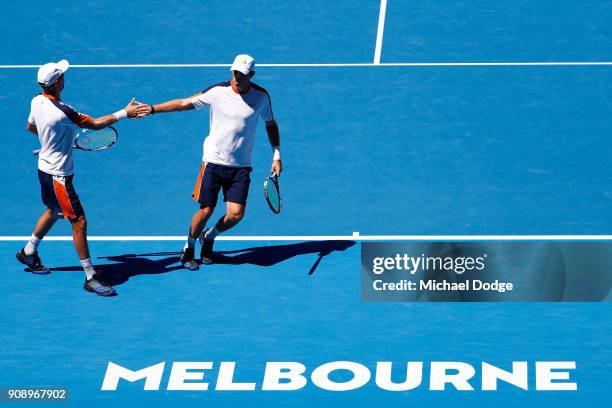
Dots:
(57, 124)
(233, 122)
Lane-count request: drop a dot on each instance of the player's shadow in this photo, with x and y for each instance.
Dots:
(271, 255)
(123, 267)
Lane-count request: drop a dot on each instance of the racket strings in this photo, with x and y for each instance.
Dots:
(273, 195)
(96, 140)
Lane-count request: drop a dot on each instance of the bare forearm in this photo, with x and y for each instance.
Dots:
(132, 110)
(175, 105)
(100, 123)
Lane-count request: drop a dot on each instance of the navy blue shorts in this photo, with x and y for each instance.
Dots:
(234, 181)
(59, 195)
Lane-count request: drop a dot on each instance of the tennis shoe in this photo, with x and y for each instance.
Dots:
(188, 259)
(33, 263)
(99, 286)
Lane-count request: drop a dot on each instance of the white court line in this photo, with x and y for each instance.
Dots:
(333, 65)
(380, 31)
(354, 237)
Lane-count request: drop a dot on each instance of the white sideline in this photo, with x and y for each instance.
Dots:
(332, 65)
(380, 31)
(354, 237)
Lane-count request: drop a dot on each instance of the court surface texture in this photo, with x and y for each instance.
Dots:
(464, 118)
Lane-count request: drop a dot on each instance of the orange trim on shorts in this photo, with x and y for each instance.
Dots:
(62, 197)
(196, 190)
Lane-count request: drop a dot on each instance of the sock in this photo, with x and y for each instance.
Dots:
(190, 243)
(88, 268)
(32, 245)
(201, 236)
(212, 233)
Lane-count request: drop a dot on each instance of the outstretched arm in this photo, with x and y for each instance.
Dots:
(274, 138)
(175, 105)
(132, 110)
(100, 123)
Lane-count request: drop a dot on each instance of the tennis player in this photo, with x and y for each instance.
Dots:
(55, 124)
(235, 108)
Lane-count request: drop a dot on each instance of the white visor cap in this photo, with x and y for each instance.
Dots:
(244, 63)
(49, 73)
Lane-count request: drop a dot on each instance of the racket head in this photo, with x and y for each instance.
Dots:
(272, 193)
(96, 140)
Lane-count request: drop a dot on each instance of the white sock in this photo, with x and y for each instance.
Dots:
(212, 233)
(190, 243)
(88, 268)
(32, 245)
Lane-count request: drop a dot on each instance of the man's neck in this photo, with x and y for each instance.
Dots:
(52, 95)
(235, 88)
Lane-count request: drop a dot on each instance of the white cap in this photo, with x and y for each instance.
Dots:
(244, 63)
(50, 72)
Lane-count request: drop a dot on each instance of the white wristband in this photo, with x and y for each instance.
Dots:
(276, 151)
(122, 114)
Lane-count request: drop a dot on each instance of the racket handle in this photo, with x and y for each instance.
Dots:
(35, 152)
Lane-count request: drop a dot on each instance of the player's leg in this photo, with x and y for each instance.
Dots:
(199, 220)
(79, 237)
(94, 282)
(45, 223)
(205, 193)
(28, 255)
(236, 192)
(234, 214)
(72, 209)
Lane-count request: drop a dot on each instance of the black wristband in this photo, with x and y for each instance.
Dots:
(152, 109)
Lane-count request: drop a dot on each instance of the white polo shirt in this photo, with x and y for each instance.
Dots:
(57, 124)
(233, 122)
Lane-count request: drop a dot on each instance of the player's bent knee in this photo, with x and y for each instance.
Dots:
(79, 223)
(206, 211)
(236, 216)
(52, 214)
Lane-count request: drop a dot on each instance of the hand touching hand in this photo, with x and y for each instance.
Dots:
(136, 109)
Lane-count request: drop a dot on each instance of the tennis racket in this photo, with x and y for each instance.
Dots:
(272, 193)
(93, 140)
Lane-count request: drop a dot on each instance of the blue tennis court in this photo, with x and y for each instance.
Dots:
(378, 149)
